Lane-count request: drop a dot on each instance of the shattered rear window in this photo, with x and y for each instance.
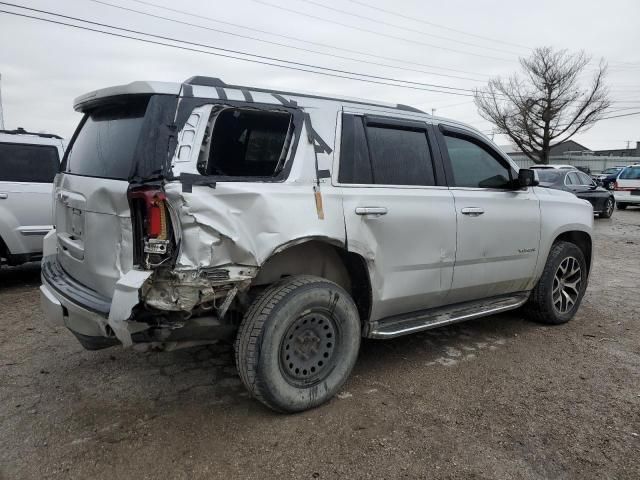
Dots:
(246, 143)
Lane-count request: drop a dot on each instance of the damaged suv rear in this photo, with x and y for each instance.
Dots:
(192, 213)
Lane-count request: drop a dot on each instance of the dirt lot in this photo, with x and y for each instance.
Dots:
(495, 398)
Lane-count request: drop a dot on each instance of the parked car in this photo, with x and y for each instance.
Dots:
(607, 178)
(28, 163)
(627, 187)
(583, 186)
(293, 225)
(550, 167)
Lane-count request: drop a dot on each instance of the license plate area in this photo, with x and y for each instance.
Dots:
(635, 193)
(76, 222)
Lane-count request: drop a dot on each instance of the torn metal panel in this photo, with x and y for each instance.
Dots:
(125, 297)
(183, 291)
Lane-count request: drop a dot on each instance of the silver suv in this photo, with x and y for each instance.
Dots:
(28, 163)
(293, 225)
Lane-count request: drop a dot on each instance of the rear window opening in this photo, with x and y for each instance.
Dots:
(246, 143)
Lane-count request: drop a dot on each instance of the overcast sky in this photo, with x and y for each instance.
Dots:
(45, 66)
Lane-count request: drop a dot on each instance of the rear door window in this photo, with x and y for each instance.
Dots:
(585, 179)
(28, 163)
(573, 179)
(385, 154)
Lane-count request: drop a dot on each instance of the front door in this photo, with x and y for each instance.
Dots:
(399, 215)
(498, 225)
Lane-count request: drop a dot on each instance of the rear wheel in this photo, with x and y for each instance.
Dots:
(558, 294)
(622, 206)
(298, 343)
(608, 208)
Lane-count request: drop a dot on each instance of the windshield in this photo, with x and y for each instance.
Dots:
(549, 175)
(609, 171)
(106, 144)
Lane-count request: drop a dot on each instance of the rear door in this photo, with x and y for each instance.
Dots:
(398, 212)
(93, 220)
(26, 175)
(498, 226)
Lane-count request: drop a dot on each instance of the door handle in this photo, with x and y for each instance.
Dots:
(4, 196)
(371, 211)
(472, 211)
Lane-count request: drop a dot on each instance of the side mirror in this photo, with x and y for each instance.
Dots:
(527, 178)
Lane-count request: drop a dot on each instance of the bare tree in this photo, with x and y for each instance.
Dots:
(546, 105)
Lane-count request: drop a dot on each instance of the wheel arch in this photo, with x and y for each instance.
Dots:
(582, 240)
(322, 257)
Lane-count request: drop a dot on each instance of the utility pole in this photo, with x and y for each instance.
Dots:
(433, 111)
(628, 142)
(1, 114)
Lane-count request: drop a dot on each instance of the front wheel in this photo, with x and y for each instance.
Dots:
(298, 343)
(608, 208)
(558, 294)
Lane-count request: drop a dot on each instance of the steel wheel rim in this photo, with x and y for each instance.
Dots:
(609, 206)
(308, 349)
(566, 285)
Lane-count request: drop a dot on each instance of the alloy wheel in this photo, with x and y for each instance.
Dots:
(566, 285)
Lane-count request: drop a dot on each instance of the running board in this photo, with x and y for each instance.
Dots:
(407, 323)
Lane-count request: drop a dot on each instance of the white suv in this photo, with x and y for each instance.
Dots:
(293, 225)
(28, 164)
(627, 187)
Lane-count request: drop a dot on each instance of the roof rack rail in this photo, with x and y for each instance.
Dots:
(22, 131)
(216, 82)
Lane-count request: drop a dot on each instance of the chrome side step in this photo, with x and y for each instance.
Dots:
(424, 320)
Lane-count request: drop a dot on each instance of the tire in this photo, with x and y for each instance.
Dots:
(298, 343)
(542, 304)
(609, 206)
(622, 206)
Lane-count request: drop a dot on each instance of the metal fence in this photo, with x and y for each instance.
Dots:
(593, 162)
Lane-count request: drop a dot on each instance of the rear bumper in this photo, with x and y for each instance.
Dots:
(626, 197)
(96, 321)
(70, 304)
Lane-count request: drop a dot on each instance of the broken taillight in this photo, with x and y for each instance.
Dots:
(151, 225)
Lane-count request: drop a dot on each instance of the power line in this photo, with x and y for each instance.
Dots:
(395, 25)
(173, 20)
(155, 42)
(347, 74)
(395, 37)
(288, 37)
(239, 52)
(622, 115)
(421, 20)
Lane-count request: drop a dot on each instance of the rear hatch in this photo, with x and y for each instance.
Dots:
(628, 183)
(121, 141)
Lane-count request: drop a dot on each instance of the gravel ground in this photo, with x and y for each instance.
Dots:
(494, 398)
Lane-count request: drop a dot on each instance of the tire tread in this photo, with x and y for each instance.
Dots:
(247, 350)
